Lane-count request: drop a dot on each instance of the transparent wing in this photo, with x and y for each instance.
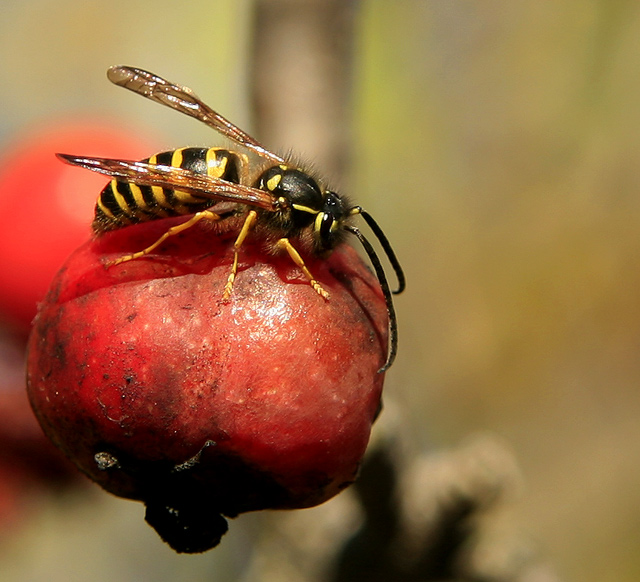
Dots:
(145, 174)
(184, 100)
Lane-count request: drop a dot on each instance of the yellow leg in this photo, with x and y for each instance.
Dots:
(297, 259)
(244, 231)
(197, 217)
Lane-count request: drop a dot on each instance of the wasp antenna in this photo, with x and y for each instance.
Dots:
(382, 279)
(386, 245)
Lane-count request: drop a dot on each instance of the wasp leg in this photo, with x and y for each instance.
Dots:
(197, 217)
(244, 231)
(284, 243)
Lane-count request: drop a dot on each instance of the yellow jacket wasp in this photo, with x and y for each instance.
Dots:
(280, 203)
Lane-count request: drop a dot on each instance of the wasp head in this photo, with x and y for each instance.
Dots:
(306, 205)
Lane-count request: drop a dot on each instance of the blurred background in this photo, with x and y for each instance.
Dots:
(497, 143)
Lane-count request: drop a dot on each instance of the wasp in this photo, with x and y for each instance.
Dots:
(281, 203)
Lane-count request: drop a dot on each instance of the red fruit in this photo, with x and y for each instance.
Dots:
(48, 207)
(160, 391)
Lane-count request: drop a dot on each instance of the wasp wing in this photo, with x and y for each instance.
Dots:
(202, 185)
(184, 100)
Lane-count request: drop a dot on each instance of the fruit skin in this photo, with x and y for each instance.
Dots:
(161, 391)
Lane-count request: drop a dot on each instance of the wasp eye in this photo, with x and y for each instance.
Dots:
(326, 226)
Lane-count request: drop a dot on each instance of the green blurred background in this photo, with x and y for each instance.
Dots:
(498, 143)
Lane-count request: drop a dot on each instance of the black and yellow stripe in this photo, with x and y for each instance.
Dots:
(124, 203)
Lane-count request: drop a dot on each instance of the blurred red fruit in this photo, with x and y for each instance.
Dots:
(160, 391)
(48, 207)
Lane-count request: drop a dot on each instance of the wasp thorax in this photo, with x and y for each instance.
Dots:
(300, 190)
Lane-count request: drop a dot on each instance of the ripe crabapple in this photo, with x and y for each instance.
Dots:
(161, 391)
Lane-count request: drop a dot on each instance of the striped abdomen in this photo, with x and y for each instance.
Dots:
(123, 203)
